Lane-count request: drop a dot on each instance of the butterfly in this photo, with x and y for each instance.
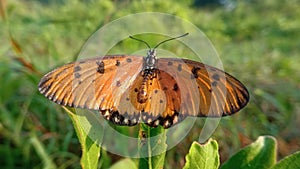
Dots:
(129, 89)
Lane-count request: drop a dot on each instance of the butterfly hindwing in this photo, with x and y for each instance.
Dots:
(160, 108)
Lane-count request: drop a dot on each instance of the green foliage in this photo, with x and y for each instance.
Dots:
(203, 156)
(153, 152)
(47, 161)
(290, 162)
(90, 148)
(124, 164)
(260, 154)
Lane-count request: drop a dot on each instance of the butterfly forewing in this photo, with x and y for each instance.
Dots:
(217, 94)
(94, 84)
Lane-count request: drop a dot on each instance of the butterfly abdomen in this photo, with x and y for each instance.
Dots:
(148, 74)
(142, 95)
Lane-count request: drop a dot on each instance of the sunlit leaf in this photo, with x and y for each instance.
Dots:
(203, 156)
(124, 164)
(90, 148)
(260, 154)
(290, 162)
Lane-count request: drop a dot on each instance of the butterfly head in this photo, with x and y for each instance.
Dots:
(150, 60)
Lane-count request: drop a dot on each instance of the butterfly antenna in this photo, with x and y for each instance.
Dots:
(140, 41)
(170, 39)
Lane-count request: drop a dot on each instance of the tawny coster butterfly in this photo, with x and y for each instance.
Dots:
(128, 89)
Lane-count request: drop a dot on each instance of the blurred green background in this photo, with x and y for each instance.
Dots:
(258, 42)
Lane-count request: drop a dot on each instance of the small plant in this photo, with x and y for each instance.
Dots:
(261, 154)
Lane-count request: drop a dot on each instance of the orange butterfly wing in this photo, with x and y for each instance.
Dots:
(162, 105)
(113, 85)
(184, 88)
(205, 91)
(96, 84)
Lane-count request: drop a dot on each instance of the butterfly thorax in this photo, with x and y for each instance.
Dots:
(150, 60)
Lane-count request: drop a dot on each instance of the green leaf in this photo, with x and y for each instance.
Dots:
(152, 147)
(203, 156)
(90, 149)
(260, 154)
(290, 162)
(124, 164)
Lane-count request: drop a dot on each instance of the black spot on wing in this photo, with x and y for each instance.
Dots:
(216, 77)
(214, 83)
(175, 87)
(179, 68)
(77, 75)
(118, 63)
(118, 83)
(128, 60)
(195, 72)
(100, 68)
(77, 68)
